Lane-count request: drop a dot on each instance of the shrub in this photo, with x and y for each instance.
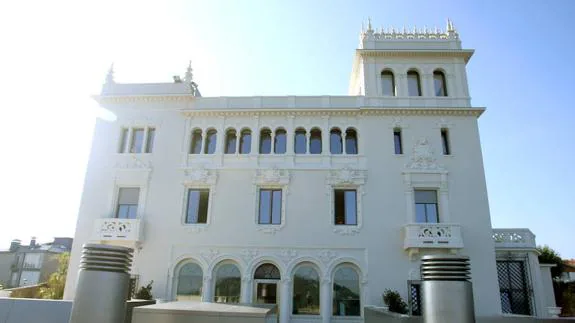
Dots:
(393, 300)
(145, 292)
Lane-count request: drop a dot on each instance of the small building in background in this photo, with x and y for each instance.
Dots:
(23, 265)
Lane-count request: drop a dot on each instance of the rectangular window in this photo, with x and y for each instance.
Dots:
(426, 206)
(128, 202)
(270, 206)
(124, 139)
(197, 210)
(397, 141)
(137, 141)
(345, 207)
(150, 140)
(445, 142)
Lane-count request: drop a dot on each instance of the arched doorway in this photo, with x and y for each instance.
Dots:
(266, 279)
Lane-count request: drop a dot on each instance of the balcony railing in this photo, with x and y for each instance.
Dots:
(111, 229)
(514, 238)
(432, 235)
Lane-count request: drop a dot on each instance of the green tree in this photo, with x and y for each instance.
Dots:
(57, 281)
(550, 256)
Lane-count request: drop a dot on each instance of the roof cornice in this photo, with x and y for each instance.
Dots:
(462, 53)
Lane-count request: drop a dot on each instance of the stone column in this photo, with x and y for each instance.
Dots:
(290, 133)
(207, 295)
(285, 301)
(245, 297)
(255, 137)
(401, 85)
(538, 296)
(325, 301)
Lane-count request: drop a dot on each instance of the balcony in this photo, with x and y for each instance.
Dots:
(514, 239)
(432, 235)
(127, 232)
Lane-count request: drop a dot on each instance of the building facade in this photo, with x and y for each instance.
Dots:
(316, 203)
(25, 265)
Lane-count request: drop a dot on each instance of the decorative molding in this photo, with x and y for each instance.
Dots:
(457, 53)
(398, 122)
(286, 255)
(132, 162)
(346, 177)
(269, 228)
(422, 157)
(444, 123)
(210, 254)
(326, 255)
(195, 228)
(249, 254)
(200, 176)
(272, 176)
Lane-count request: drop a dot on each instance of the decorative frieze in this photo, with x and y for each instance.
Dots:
(422, 157)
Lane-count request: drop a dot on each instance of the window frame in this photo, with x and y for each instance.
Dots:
(198, 178)
(270, 179)
(207, 142)
(192, 142)
(265, 134)
(271, 190)
(418, 78)
(437, 207)
(231, 132)
(397, 137)
(346, 179)
(177, 271)
(280, 131)
(337, 132)
(388, 72)
(292, 288)
(200, 190)
(215, 280)
(244, 132)
(117, 202)
(445, 142)
(359, 284)
(316, 134)
(441, 74)
(344, 190)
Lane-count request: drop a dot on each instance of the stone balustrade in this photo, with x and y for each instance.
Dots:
(432, 235)
(514, 238)
(121, 230)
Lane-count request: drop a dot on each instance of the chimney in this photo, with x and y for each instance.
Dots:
(33, 242)
(14, 245)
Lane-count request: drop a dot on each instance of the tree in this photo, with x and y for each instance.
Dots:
(550, 256)
(145, 292)
(57, 281)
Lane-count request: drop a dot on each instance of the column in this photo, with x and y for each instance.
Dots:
(427, 86)
(325, 135)
(145, 140)
(128, 148)
(409, 199)
(307, 140)
(538, 296)
(325, 301)
(290, 133)
(245, 297)
(273, 139)
(284, 306)
(207, 295)
(255, 137)
(401, 86)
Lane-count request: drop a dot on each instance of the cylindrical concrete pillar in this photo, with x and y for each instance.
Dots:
(447, 291)
(103, 284)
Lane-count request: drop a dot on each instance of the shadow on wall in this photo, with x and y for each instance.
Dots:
(19, 310)
(379, 315)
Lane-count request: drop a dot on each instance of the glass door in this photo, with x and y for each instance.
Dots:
(266, 292)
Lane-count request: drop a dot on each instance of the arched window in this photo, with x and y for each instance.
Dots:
(231, 141)
(228, 284)
(439, 83)
(245, 141)
(350, 141)
(280, 142)
(387, 83)
(196, 147)
(413, 84)
(267, 271)
(306, 291)
(265, 141)
(190, 280)
(315, 141)
(211, 139)
(300, 141)
(335, 143)
(346, 296)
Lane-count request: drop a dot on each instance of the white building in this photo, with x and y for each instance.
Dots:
(318, 203)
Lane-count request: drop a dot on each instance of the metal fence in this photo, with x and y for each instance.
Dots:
(514, 288)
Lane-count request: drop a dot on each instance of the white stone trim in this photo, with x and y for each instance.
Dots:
(198, 178)
(346, 178)
(271, 178)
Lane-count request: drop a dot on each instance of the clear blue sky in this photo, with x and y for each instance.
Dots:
(56, 54)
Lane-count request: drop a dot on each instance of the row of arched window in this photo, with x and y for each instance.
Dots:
(305, 289)
(340, 142)
(388, 84)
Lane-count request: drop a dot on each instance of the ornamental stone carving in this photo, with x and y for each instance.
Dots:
(347, 175)
(272, 176)
(200, 176)
(129, 161)
(287, 255)
(422, 157)
(346, 230)
(326, 255)
(210, 254)
(249, 254)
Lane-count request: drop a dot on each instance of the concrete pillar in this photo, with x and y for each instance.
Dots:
(245, 297)
(207, 295)
(538, 290)
(285, 301)
(325, 301)
(547, 281)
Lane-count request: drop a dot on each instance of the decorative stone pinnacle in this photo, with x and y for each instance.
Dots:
(449, 26)
(110, 75)
(189, 75)
(369, 24)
